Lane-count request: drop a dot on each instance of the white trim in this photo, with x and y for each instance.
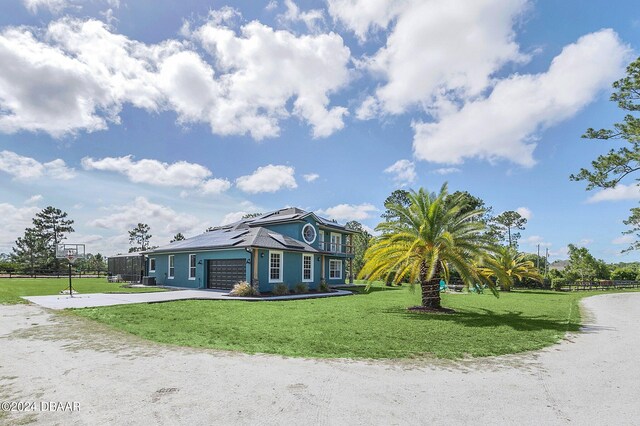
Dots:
(339, 269)
(279, 280)
(309, 280)
(169, 259)
(192, 278)
(152, 259)
(315, 233)
(337, 246)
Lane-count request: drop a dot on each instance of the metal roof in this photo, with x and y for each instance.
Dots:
(258, 237)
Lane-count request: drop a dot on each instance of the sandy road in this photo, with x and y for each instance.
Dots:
(590, 378)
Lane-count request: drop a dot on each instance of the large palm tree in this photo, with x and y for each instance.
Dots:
(509, 266)
(424, 240)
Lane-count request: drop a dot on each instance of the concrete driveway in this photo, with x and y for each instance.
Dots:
(591, 378)
(91, 300)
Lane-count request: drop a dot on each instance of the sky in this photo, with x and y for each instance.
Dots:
(189, 114)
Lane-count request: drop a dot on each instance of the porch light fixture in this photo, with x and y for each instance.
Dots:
(261, 254)
(200, 262)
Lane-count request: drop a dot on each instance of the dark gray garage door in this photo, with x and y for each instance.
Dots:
(225, 273)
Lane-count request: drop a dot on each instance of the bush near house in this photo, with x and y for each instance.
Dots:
(243, 289)
(280, 289)
(301, 288)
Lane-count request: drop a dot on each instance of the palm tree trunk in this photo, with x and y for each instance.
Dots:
(430, 288)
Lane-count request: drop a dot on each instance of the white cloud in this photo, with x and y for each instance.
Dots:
(33, 199)
(273, 4)
(404, 172)
(562, 252)
(215, 186)
(254, 87)
(620, 192)
(521, 105)
(537, 239)
(77, 75)
(27, 168)
(346, 212)
(524, 212)
(268, 178)
(623, 239)
(163, 220)
(153, 172)
(585, 242)
(311, 18)
(435, 49)
(311, 177)
(446, 170)
(54, 6)
(14, 221)
(232, 217)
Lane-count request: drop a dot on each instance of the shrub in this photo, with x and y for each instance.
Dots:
(280, 289)
(243, 289)
(557, 283)
(324, 287)
(301, 288)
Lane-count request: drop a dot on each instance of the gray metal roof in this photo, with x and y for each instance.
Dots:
(236, 238)
(289, 214)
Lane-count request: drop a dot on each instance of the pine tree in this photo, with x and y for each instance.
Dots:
(30, 251)
(51, 225)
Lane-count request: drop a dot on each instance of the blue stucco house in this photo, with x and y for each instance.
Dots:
(287, 246)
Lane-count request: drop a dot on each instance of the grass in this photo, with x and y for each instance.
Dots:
(11, 289)
(367, 325)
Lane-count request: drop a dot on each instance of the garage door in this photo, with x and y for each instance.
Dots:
(225, 273)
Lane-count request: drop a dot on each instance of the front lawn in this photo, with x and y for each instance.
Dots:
(373, 325)
(11, 289)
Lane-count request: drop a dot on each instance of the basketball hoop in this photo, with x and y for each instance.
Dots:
(71, 252)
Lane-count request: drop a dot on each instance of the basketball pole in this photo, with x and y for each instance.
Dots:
(70, 286)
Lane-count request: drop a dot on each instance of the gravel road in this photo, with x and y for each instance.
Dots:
(115, 378)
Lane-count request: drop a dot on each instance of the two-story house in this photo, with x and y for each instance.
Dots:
(287, 246)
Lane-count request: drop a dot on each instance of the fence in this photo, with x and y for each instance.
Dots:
(52, 274)
(598, 285)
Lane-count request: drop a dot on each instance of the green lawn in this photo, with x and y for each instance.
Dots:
(373, 325)
(12, 288)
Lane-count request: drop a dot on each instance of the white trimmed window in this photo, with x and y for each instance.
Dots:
(307, 268)
(335, 269)
(192, 266)
(152, 264)
(275, 266)
(172, 269)
(336, 242)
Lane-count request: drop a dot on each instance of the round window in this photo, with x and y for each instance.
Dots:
(309, 233)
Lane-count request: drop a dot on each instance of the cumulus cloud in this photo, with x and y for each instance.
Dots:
(163, 220)
(620, 192)
(521, 105)
(311, 177)
(403, 171)
(14, 221)
(215, 186)
(269, 178)
(347, 212)
(524, 212)
(77, 75)
(232, 217)
(435, 49)
(256, 87)
(33, 199)
(311, 18)
(27, 168)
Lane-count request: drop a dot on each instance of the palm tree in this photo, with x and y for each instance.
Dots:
(507, 266)
(427, 238)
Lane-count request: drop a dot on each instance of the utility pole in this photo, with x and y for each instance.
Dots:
(546, 263)
(538, 260)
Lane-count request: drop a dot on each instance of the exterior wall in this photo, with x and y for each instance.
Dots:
(336, 281)
(291, 270)
(181, 264)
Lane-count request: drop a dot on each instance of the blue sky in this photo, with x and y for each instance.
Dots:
(185, 116)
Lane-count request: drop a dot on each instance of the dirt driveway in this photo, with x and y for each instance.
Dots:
(115, 378)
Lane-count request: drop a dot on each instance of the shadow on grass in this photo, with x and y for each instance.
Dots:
(488, 318)
(545, 292)
(361, 289)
